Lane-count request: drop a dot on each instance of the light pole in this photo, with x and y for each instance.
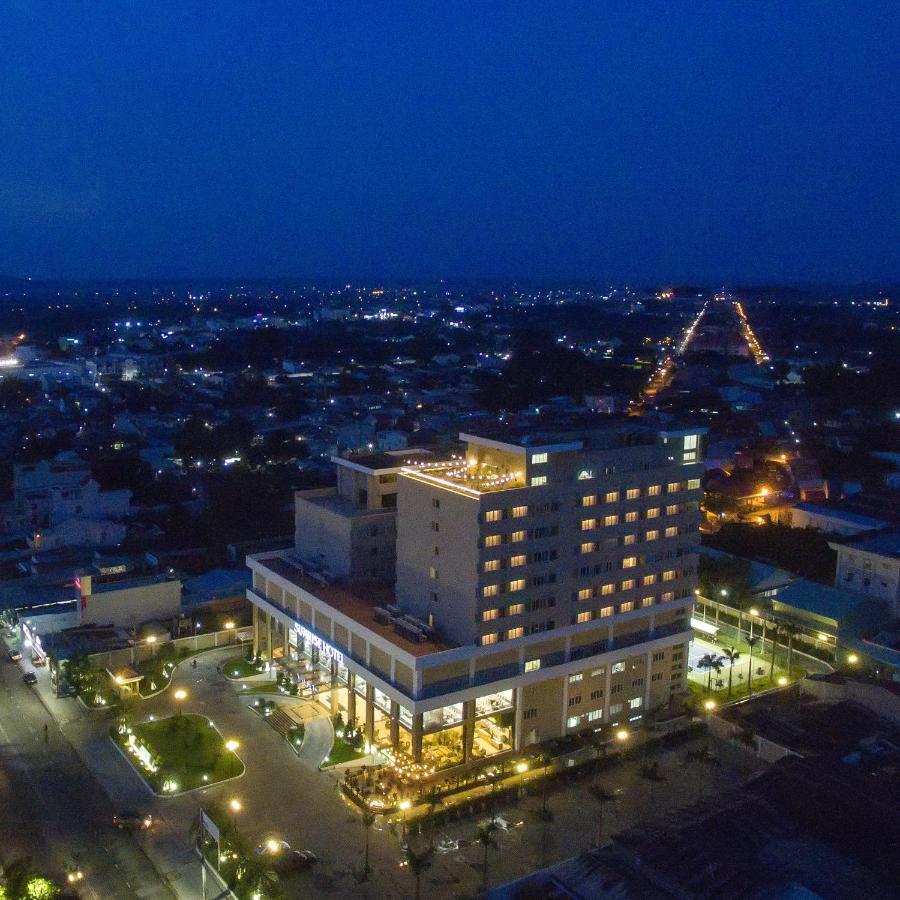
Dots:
(522, 768)
(403, 806)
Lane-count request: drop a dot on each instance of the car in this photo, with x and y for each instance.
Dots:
(15, 655)
(133, 821)
(74, 872)
(293, 861)
(29, 678)
(272, 847)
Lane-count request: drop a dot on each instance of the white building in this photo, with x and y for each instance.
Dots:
(871, 567)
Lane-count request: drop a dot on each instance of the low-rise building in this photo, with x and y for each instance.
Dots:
(127, 601)
(871, 566)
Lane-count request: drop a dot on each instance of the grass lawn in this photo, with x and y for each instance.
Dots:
(295, 737)
(342, 752)
(187, 748)
(239, 667)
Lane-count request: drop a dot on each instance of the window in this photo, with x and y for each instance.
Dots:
(618, 667)
(585, 594)
(627, 606)
(668, 575)
(537, 458)
(611, 497)
(595, 714)
(490, 590)
(436, 550)
(647, 601)
(532, 665)
(493, 515)
(672, 509)
(530, 713)
(585, 616)
(651, 535)
(649, 579)
(691, 441)
(652, 513)
(672, 531)
(629, 562)
(519, 511)
(572, 721)
(490, 614)
(636, 703)
(585, 474)
(491, 565)
(631, 516)
(629, 539)
(659, 656)
(517, 585)
(538, 480)
(432, 572)
(632, 493)
(607, 589)
(667, 596)
(492, 540)
(435, 526)
(588, 524)
(615, 709)
(693, 484)
(488, 639)
(673, 487)
(518, 560)
(515, 609)
(654, 490)
(598, 673)
(587, 548)
(611, 520)
(435, 502)
(606, 612)
(574, 701)
(627, 584)
(516, 536)
(578, 676)
(589, 500)
(514, 633)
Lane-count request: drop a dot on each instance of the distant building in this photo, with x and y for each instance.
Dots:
(127, 601)
(828, 519)
(871, 566)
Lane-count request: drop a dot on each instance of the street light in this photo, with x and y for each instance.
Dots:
(622, 735)
(231, 745)
(403, 806)
(853, 659)
(709, 705)
(180, 694)
(229, 626)
(782, 681)
(235, 805)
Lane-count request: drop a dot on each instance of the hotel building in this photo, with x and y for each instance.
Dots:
(543, 587)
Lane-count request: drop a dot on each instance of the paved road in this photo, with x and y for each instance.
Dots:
(51, 806)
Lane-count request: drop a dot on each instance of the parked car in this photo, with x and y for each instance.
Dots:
(15, 655)
(29, 678)
(272, 847)
(133, 821)
(294, 861)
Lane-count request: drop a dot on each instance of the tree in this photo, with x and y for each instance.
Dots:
(751, 642)
(434, 800)
(485, 836)
(418, 861)
(602, 796)
(732, 655)
(711, 663)
(775, 631)
(368, 820)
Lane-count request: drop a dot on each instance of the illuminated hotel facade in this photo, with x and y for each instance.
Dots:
(543, 588)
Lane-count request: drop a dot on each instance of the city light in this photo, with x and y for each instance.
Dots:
(229, 626)
(151, 638)
(622, 735)
(235, 805)
(404, 805)
(783, 680)
(231, 745)
(522, 768)
(709, 705)
(273, 846)
(853, 659)
(180, 694)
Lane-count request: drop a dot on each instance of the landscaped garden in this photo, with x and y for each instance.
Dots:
(179, 753)
(240, 667)
(348, 745)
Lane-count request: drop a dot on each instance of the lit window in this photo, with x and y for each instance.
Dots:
(516, 609)
(611, 520)
(433, 572)
(606, 612)
(519, 560)
(672, 509)
(636, 703)
(632, 493)
(653, 512)
(668, 575)
(537, 458)
(618, 667)
(491, 565)
(492, 540)
(597, 673)
(516, 536)
(519, 511)
(585, 594)
(585, 474)
(490, 614)
(493, 515)
(589, 500)
(627, 606)
(629, 562)
(588, 524)
(629, 539)
(612, 497)
(651, 535)
(693, 484)
(490, 590)
(631, 516)
(538, 480)
(587, 548)
(667, 596)
(607, 589)
(647, 601)
(583, 616)
(514, 633)
(595, 714)
(690, 441)
(532, 665)
(578, 676)
(572, 721)
(654, 490)
(517, 585)
(649, 579)
(673, 487)
(627, 584)
(672, 531)
(487, 639)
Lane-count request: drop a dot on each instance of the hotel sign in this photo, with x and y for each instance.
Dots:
(326, 649)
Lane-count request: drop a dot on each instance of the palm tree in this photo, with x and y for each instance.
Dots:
(752, 642)
(775, 632)
(368, 820)
(732, 655)
(711, 663)
(602, 796)
(434, 800)
(418, 861)
(485, 836)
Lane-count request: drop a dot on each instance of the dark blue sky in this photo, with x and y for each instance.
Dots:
(672, 141)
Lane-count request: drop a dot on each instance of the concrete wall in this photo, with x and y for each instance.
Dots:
(882, 701)
(131, 606)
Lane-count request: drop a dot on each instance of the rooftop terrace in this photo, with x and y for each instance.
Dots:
(472, 480)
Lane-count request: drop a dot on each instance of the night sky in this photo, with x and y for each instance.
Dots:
(648, 141)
